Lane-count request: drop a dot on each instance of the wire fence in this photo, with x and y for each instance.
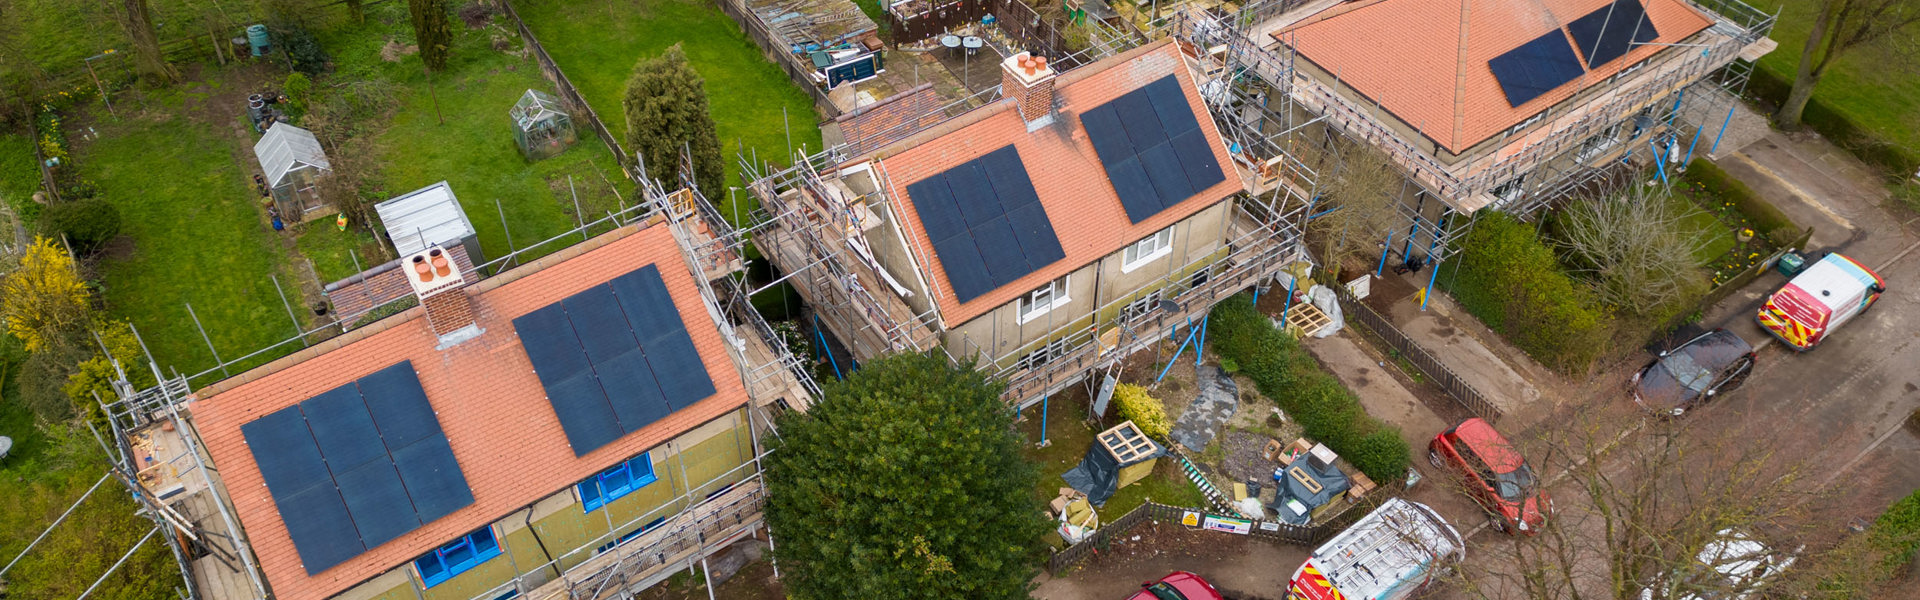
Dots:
(1461, 391)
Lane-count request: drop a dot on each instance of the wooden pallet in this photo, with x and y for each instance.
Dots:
(1307, 318)
(1127, 444)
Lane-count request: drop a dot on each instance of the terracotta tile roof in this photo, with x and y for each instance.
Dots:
(353, 298)
(1067, 174)
(1425, 61)
(491, 406)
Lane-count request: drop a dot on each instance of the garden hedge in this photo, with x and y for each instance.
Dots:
(1285, 373)
(1775, 224)
(1145, 411)
(1508, 278)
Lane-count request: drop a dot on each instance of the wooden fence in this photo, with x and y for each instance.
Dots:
(1458, 388)
(1298, 535)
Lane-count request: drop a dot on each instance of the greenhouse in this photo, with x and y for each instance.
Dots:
(292, 161)
(541, 126)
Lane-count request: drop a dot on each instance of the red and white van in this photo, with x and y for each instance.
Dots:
(1392, 553)
(1825, 295)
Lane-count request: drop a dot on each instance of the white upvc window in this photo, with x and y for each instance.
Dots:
(1510, 191)
(1037, 302)
(1147, 250)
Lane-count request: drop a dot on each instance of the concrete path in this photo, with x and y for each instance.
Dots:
(1218, 398)
(1379, 392)
(1464, 345)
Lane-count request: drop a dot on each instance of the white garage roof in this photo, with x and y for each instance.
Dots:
(423, 217)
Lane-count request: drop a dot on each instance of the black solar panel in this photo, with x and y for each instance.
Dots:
(317, 521)
(351, 468)
(1535, 67)
(378, 502)
(432, 477)
(289, 460)
(614, 358)
(1152, 148)
(969, 214)
(1610, 31)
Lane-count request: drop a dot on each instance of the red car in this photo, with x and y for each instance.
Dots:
(1179, 585)
(1494, 474)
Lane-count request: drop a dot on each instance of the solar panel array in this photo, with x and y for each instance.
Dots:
(1536, 67)
(357, 466)
(1609, 32)
(614, 358)
(986, 223)
(1154, 151)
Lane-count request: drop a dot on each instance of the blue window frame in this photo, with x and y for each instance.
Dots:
(615, 482)
(457, 556)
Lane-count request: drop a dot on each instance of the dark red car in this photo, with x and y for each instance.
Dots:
(1179, 585)
(1494, 473)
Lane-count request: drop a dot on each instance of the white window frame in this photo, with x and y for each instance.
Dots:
(1147, 250)
(1516, 189)
(1044, 299)
(1042, 355)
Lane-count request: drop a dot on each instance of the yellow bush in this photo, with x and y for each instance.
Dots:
(1147, 412)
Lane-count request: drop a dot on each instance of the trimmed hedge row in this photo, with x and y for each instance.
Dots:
(1774, 224)
(1329, 412)
(1830, 122)
(1508, 278)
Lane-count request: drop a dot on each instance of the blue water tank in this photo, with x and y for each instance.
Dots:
(257, 39)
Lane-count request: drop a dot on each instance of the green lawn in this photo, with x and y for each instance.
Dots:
(195, 235)
(1070, 434)
(19, 177)
(1865, 85)
(473, 149)
(327, 247)
(597, 42)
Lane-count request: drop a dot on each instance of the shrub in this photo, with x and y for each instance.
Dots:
(1508, 278)
(299, 90)
(1327, 411)
(1135, 405)
(1897, 532)
(88, 224)
(307, 55)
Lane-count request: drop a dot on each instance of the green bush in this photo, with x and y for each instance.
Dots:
(1146, 412)
(87, 224)
(1327, 411)
(1508, 278)
(1775, 224)
(1897, 531)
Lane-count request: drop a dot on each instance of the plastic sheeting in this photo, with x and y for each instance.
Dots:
(1097, 475)
(1324, 299)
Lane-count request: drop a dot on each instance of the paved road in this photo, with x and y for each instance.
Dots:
(1841, 405)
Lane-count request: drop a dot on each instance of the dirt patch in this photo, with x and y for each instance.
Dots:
(476, 15)
(394, 51)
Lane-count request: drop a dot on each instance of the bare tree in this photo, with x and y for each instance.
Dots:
(1360, 196)
(1841, 26)
(1669, 509)
(1634, 241)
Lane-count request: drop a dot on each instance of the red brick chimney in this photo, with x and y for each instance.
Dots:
(441, 287)
(1029, 82)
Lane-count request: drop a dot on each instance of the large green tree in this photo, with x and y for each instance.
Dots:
(666, 106)
(905, 481)
(432, 30)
